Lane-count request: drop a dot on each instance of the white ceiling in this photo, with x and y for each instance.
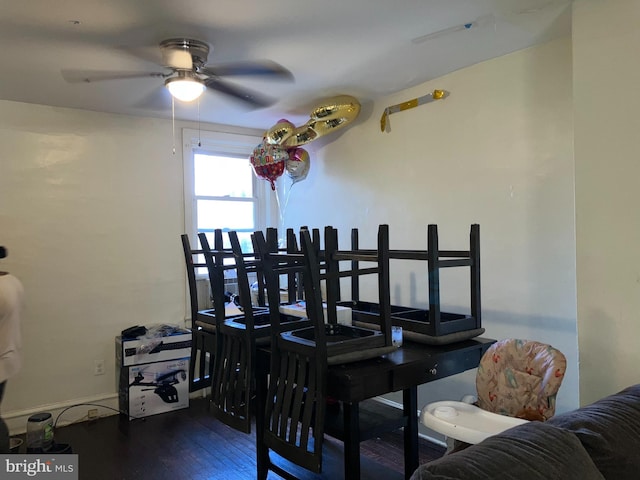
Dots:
(364, 48)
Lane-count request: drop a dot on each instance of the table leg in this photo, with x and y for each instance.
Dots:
(262, 452)
(410, 409)
(351, 418)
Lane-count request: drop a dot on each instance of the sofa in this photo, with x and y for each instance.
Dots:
(595, 442)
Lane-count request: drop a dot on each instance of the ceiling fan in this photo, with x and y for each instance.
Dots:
(187, 74)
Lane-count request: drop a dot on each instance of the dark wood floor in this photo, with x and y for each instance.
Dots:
(191, 445)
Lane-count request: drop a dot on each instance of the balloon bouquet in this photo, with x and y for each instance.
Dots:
(281, 150)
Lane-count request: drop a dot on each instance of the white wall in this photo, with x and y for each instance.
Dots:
(607, 100)
(497, 152)
(91, 209)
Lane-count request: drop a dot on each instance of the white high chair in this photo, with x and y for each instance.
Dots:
(517, 381)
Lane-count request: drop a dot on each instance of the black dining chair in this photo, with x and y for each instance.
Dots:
(203, 328)
(237, 336)
(295, 404)
(230, 388)
(293, 282)
(290, 427)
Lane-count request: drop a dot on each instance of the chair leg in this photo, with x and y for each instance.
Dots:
(202, 357)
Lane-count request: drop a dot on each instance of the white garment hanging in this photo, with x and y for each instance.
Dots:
(11, 303)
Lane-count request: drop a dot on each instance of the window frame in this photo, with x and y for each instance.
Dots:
(222, 144)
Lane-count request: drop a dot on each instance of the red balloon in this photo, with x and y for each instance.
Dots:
(268, 162)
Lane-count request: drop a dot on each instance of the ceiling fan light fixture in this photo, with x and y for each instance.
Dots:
(185, 88)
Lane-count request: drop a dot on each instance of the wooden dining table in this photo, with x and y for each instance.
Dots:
(354, 385)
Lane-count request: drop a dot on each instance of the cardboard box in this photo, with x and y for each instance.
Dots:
(149, 350)
(153, 374)
(152, 388)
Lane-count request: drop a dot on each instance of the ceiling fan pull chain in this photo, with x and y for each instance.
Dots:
(199, 143)
(173, 122)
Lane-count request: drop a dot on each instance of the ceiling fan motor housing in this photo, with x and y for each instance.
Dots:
(198, 50)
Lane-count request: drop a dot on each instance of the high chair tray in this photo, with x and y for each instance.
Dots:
(465, 422)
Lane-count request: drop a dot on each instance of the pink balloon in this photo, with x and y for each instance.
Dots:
(298, 164)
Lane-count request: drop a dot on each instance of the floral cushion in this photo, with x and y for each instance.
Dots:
(520, 378)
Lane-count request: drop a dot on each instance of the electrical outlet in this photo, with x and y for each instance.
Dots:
(98, 367)
(92, 414)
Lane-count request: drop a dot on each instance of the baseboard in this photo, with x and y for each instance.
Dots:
(397, 405)
(64, 413)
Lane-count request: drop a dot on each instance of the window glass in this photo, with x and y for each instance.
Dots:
(220, 176)
(225, 214)
(243, 237)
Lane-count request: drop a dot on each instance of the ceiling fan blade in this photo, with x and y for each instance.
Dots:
(90, 76)
(263, 67)
(253, 99)
(159, 99)
(146, 53)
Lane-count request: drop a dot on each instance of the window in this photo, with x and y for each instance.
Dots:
(221, 190)
(223, 194)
